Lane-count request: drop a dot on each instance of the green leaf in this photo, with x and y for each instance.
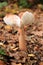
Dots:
(2, 51)
(23, 3)
(0, 5)
(4, 3)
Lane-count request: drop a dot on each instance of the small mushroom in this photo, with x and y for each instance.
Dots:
(27, 18)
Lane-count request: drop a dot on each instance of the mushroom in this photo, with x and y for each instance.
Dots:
(27, 18)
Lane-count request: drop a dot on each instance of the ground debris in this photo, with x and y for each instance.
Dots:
(34, 40)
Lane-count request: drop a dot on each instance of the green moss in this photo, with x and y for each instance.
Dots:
(3, 4)
(2, 51)
(23, 3)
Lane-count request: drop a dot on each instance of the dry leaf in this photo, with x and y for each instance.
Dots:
(31, 55)
(1, 63)
(8, 28)
(39, 33)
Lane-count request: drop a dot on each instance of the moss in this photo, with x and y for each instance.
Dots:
(23, 3)
(3, 4)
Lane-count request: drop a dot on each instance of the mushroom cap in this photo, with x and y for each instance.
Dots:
(12, 20)
(27, 18)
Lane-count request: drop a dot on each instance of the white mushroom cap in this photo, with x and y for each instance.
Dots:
(27, 18)
(12, 20)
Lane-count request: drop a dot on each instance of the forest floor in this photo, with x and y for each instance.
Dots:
(34, 40)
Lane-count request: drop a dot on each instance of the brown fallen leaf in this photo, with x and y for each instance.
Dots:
(2, 63)
(2, 38)
(8, 28)
(31, 55)
(39, 33)
(1, 25)
(15, 49)
(0, 19)
(41, 63)
(13, 63)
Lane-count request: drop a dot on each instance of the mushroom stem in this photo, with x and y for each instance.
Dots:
(22, 42)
